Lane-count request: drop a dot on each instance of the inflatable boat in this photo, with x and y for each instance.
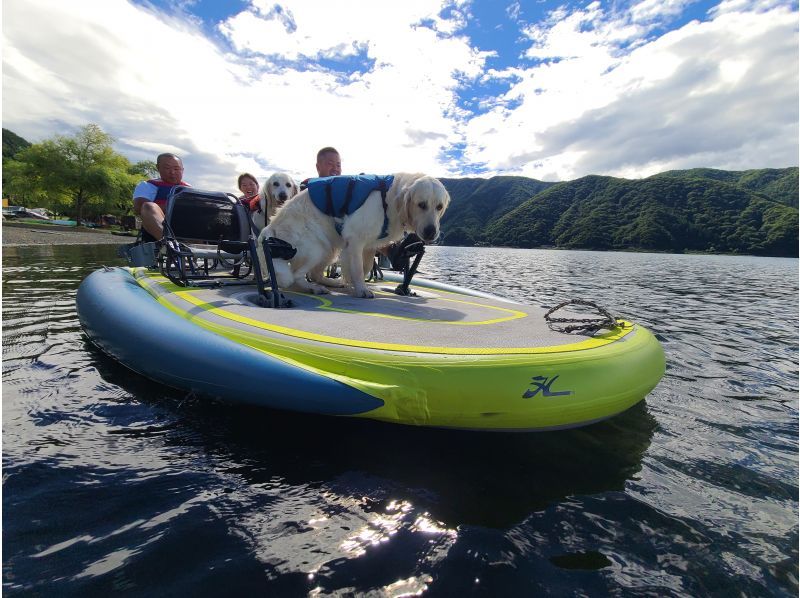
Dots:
(443, 357)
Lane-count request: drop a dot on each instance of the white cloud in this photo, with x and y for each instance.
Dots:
(719, 93)
(136, 73)
(398, 112)
(381, 82)
(150, 79)
(649, 11)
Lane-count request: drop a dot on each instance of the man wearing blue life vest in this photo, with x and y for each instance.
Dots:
(150, 197)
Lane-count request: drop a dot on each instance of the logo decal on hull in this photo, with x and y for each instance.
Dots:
(542, 385)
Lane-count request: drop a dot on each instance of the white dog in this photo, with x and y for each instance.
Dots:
(414, 203)
(278, 189)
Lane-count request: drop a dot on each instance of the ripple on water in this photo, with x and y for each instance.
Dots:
(113, 483)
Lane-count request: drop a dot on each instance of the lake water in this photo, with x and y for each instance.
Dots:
(114, 484)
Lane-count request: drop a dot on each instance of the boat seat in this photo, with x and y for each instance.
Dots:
(210, 240)
(205, 237)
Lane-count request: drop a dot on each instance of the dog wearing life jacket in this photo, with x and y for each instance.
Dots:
(278, 189)
(349, 217)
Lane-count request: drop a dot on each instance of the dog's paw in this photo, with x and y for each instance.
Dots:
(363, 293)
(316, 289)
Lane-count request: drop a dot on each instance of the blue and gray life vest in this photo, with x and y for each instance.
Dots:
(340, 196)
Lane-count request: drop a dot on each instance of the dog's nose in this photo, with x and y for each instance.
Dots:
(429, 232)
(282, 196)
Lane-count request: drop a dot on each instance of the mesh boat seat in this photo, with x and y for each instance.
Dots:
(206, 234)
(209, 239)
(206, 217)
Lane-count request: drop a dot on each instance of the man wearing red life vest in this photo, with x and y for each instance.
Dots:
(150, 197)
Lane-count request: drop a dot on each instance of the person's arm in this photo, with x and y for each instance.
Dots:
(151, 214)
(143, 193)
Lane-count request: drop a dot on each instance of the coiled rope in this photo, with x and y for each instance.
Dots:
(583, 325)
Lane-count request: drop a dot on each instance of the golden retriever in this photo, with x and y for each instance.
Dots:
(278, 188)
(414, 203)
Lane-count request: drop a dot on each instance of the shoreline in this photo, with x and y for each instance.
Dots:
(16, 234)
(19, 234)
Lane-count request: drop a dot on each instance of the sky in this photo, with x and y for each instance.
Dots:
(452, 88)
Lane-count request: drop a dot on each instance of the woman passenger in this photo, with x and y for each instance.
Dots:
(248, 185)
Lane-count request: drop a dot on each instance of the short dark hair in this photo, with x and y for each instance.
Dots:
(245, 175)
(326, 150)
(167, 155)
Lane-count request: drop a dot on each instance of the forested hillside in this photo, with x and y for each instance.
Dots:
(12, 143)
(753, 212)
(477, 203)
(778, 184)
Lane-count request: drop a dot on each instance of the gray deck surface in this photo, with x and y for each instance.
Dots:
(432, 319)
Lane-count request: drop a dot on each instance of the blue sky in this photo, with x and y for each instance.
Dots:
(549, 90)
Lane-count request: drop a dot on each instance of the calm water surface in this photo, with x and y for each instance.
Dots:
(112, 483)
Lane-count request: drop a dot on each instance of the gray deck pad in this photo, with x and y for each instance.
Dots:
(434, 318)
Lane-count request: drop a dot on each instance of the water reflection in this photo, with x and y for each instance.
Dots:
(460, 477)
(113, 483)
(350, 488)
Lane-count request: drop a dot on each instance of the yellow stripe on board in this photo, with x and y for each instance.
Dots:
(187, 295)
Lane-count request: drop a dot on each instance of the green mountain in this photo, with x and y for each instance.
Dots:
(752, 212)
(477, 203)
(777, 184)
(12, 143)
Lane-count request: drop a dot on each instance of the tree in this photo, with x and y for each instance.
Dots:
(145, 168)
(82, 175)
(460, 237)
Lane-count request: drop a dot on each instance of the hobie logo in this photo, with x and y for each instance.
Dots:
(540, 384)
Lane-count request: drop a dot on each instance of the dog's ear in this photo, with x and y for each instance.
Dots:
(266, 200)
(265, 191)
(407, 201)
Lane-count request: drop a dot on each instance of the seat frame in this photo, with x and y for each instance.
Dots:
(192, 258)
